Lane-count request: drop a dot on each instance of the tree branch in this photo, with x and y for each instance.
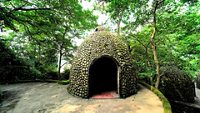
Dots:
(63, 64)
(29, 9)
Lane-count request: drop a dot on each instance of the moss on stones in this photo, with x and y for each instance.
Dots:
(101, 43)
(165, 102)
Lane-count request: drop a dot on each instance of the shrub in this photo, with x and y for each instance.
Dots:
(51, 75)
(147, 75)
(47, 71)
(13, 68)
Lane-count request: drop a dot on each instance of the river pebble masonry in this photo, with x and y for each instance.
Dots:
(100, 44)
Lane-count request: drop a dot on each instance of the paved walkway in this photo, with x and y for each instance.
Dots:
(53, 98)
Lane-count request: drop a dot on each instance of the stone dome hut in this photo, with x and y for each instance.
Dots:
(102, 63)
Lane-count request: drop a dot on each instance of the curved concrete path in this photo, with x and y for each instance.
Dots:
(53, 98)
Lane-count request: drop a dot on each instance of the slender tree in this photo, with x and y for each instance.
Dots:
(152, 40)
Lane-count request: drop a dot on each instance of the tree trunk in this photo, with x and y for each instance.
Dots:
(60, 49)
(59, 62)
(118, 27)
(147, 57)
(153, 46)
(157, 63)
(129, 48)
(39, 52)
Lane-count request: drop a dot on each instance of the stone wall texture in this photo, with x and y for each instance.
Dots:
(101, 43)
(176, 85)
(198, 81)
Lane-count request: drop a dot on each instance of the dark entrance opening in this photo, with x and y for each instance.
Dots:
(103, 76)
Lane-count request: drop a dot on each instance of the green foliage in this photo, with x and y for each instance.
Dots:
(47, 72)
(146, 73)
(42, 30)
(53, 75)
(181, 37)
(13, 68)
(47, 28)
(44, 12)
(177, 38)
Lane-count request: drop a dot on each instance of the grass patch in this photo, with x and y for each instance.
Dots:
(63, 82)
(165, 102)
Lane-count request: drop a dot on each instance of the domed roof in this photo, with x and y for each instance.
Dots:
(102, 44)
(176, 84)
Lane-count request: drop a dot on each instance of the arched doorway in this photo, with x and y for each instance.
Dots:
(103, 74)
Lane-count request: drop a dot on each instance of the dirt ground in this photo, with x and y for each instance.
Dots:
(54, 98)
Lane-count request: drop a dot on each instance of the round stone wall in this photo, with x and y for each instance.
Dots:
(99, 44)
(176, 85)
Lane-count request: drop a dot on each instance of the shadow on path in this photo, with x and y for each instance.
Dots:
(9, 100)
